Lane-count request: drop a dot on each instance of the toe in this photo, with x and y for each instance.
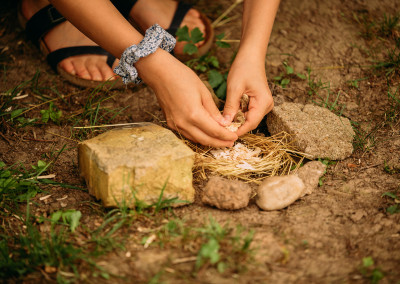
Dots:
(106, 72)
(94, 71)
(67, 66)
(81, 69)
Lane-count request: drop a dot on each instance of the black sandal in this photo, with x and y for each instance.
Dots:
(42, 22)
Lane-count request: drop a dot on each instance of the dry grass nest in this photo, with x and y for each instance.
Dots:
(252, 158)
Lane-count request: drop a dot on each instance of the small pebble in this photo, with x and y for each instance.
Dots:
(226, 194)
(279, 192)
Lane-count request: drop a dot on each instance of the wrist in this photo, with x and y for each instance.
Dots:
(154, 39)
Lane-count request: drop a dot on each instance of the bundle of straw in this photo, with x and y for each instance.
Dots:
(278, 156)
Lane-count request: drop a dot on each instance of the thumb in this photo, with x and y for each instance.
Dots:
(211, 108)
(232, 105)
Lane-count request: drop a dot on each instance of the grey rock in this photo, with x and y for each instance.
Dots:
(310, 174)
(226, 194)
(279, 192)
(136, 163)
(317, 132)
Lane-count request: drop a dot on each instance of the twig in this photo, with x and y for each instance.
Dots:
(184, 259)
(2, 136)
(62, 136)
(107, 125)
(230, 40)
(39, 140)
(227, 11)
(227, 20)
(370, 166)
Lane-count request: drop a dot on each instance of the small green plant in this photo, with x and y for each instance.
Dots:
(391, 64)
(205, 63)
(327, 163)
(354, 83)
(68, 217)
(367, 25)
(51, 113)
(393, 208)
(364, 140)
(218, 81)
(388, 25)
(217, 239)
(315, 90)
(369, 271)
(284, 78)
(195, 36)
(392, 114)
(314, 87)
(18, 184)
(220, 41)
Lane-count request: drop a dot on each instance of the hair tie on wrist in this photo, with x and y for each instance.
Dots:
(155, 37)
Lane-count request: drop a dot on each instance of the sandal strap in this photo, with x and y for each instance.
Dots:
(42, 22)
(60, 54)
(180, 13)
(124, 6)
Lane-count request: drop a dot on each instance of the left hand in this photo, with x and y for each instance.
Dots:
(247, 76)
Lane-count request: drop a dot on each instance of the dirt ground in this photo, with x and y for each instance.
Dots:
(324, 237)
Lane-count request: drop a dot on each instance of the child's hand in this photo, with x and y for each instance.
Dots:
(246, 77)
(185, 100)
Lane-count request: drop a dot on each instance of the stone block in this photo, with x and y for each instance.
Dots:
(135, 163)
(316, 131)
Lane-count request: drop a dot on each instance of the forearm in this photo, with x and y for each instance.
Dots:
(258, 19)
(101, 22)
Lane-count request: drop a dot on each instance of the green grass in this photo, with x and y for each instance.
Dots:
(320, 93)
(224, 247)
(288, 74)
(94, 113)
(392, 114)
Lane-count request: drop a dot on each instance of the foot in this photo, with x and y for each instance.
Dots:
(148, 12)
(89, 67)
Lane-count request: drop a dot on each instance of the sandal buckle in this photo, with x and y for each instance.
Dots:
(54, 16)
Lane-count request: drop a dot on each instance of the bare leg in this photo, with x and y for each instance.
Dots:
(148, 12)
(90, 67)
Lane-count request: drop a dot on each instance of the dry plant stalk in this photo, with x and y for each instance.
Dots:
(278, 156)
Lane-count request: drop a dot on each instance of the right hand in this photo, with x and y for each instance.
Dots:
(187, 104)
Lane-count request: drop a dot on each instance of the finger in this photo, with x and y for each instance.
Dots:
(211, 108)
(232, 104)
(199, 136)
(212, 128)
(254, 117)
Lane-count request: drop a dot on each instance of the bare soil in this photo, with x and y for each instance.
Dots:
(321, 238)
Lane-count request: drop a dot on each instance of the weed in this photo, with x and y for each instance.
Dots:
(391, 64)
(315, 88)
(364, 140)
(284, 78)
(327, 163)
(52, 113)
(391, 170)
(354, 83)
(393, 208)
(366, 24)
(18, 184)
(388, 25)
(393, 112)
(223, 247)
(368, 271)
(93, 113)
(69, 217)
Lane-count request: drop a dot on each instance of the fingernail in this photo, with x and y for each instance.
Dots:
(227, 118)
